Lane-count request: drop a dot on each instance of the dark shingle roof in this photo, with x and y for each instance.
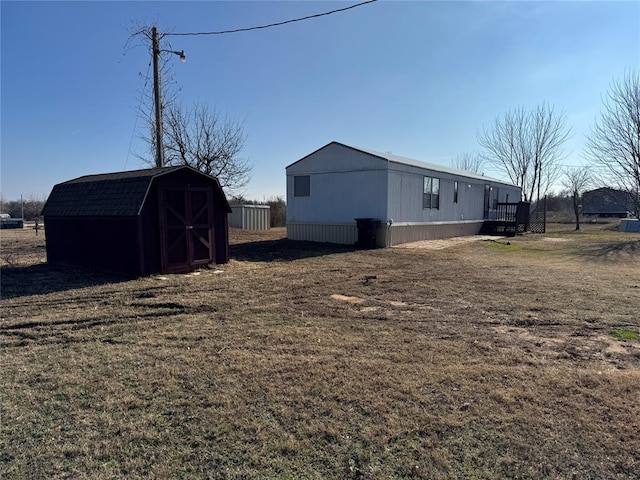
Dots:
(109, 194)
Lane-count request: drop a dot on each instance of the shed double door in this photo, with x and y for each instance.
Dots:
(186, 219)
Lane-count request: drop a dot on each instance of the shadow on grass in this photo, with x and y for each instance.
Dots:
(284, 250)
(612, 250)
(42, 278)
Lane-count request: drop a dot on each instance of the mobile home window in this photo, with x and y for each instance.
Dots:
(455, 192)
(301, 186)
(431, 194)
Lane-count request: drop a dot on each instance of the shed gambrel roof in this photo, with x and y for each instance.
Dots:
(411, 162)
(108, 194)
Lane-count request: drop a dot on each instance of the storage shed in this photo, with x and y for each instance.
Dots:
(142, 222)
(250, 217)
(394, 199)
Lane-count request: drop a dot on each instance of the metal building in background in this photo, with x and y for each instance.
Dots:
(250, 217)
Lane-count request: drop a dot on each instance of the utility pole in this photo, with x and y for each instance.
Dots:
(157, 97)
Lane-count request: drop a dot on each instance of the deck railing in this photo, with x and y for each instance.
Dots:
(510, 218)
(507, 212)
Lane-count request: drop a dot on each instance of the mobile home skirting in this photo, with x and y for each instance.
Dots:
(415, 232)
(386, 235)
(340, 233)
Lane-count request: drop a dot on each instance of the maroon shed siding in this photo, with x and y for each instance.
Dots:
(113, 222)
(108, 244)
(151, 215)
(222, 235)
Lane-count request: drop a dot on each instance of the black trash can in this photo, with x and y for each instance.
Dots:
(367, 232)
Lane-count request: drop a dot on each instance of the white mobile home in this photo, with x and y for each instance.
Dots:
(332, 187)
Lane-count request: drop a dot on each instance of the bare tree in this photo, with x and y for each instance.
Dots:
(528, 147)
(278, 211)
(27, 207)
(469, 162)
(575, 180)
(205, 140)
(614, 141)
(198, 137)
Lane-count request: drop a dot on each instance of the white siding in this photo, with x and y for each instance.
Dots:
(336, 158)
(339, 197)
(406, 189)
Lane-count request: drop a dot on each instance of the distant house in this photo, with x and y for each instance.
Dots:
(607, 202)
(158, 220)
(395, 199)
(6, 221)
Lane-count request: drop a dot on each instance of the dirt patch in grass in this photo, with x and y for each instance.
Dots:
(448, 242)
(345, 298)
(472, 361)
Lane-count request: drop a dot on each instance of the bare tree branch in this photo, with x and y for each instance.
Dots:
(528, 147)
(469, 162)
(208, 142)
(614, 141)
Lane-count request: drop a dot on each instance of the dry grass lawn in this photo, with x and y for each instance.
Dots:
(515, 358)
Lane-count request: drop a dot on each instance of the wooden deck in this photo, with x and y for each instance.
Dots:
(510, 219)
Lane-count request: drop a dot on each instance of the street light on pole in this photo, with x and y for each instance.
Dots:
(157, 95)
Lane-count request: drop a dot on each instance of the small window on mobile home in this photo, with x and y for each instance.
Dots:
(431, 193)
(455, 192)
(302, 186)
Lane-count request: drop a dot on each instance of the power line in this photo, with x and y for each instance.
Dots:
(277, 24)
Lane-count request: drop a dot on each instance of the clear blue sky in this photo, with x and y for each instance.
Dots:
(418, 79)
